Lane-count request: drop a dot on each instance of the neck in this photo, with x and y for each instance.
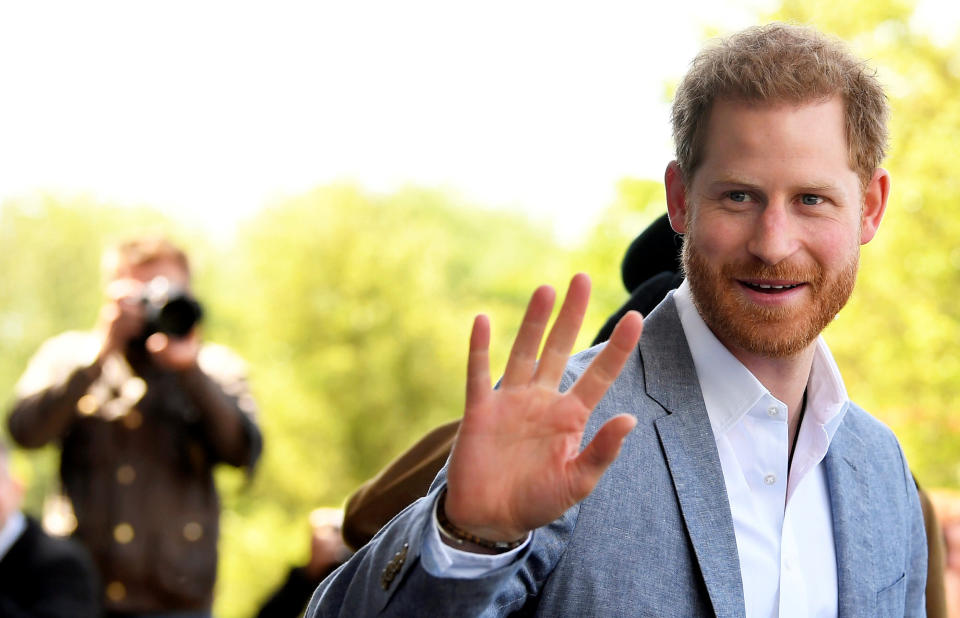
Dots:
(786, 377)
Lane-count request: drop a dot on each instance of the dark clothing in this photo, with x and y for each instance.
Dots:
(655, 250)
(643, 299)
(292, 597)
(138, 446)
(47, 577)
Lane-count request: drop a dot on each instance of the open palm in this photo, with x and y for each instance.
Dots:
(517, 464)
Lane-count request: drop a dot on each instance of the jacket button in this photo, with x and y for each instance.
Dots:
(193, 531)
(123, 533)
(116, 591)
(393, 567)
(126, 474)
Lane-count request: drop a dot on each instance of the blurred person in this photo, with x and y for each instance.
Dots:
(40, 576)
(327, 552)
(142, 412)
(714, 466)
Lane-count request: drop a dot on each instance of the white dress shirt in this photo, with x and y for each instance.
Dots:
(782, 524)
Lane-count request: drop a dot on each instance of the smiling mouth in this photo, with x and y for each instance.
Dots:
(769, 288)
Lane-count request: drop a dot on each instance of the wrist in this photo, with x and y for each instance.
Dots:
(465, 540)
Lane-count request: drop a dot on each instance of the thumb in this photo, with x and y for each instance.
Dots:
(594, 460)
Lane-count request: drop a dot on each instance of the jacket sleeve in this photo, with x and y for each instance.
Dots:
(219, 390)
(387, 576)
(47, 394)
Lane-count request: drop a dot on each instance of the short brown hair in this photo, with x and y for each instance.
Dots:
(785, 63)
(141, 250)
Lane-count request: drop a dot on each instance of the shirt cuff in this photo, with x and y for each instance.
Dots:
(441, 560)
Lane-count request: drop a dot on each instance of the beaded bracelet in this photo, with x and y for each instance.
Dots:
(460, 536)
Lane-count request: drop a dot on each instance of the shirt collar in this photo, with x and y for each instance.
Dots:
(11, 531)
(730, 390)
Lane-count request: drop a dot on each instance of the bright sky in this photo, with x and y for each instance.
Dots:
(211, 110)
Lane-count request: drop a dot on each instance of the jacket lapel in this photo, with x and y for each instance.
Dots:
(850, 500)
(691, 455)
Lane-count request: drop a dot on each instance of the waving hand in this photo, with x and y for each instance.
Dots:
(517, 464)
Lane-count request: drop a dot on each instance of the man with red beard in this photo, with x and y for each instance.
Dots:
(715, 466)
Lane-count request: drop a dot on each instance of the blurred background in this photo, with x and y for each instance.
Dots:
(354, 181)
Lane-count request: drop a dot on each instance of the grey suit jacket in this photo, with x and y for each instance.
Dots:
(655, 538)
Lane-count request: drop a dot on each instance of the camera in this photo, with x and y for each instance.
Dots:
(168, 309)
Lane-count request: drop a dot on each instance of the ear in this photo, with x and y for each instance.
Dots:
(874, 204)
(676, 197)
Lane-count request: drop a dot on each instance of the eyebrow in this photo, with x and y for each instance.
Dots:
(814, 187)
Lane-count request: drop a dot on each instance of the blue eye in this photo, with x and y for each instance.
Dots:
(738, 196)
(809, 199)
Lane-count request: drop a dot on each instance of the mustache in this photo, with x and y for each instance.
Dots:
(755, 269)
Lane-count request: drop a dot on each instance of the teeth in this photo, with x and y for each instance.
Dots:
(774, 287)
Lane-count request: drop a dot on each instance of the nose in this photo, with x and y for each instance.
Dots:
(773, 237)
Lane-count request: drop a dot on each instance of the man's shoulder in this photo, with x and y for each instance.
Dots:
(662, 341)
(869, 445)
(56, 359)
(867, 428)
(71, 345)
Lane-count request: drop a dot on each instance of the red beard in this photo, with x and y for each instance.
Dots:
(775, 332)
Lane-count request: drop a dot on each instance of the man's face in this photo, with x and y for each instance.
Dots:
(163, 267)
(773, 221)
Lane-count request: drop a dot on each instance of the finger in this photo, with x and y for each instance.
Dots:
(123, 289)
(478, 362)
(593, 461)
(563, 335)
(157, 343)
(605, 368)
(523, 354)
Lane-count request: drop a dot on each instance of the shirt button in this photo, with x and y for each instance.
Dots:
(772, 411)
(770, 479)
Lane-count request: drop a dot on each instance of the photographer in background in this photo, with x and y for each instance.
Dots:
(142, 411)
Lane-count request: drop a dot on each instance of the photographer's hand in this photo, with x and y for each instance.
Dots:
(516, 464)
(174, 353)
(121, 317)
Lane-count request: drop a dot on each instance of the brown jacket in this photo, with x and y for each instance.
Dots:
(138, 445)
(405, 479)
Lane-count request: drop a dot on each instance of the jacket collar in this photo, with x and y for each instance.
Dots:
(691, 454)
